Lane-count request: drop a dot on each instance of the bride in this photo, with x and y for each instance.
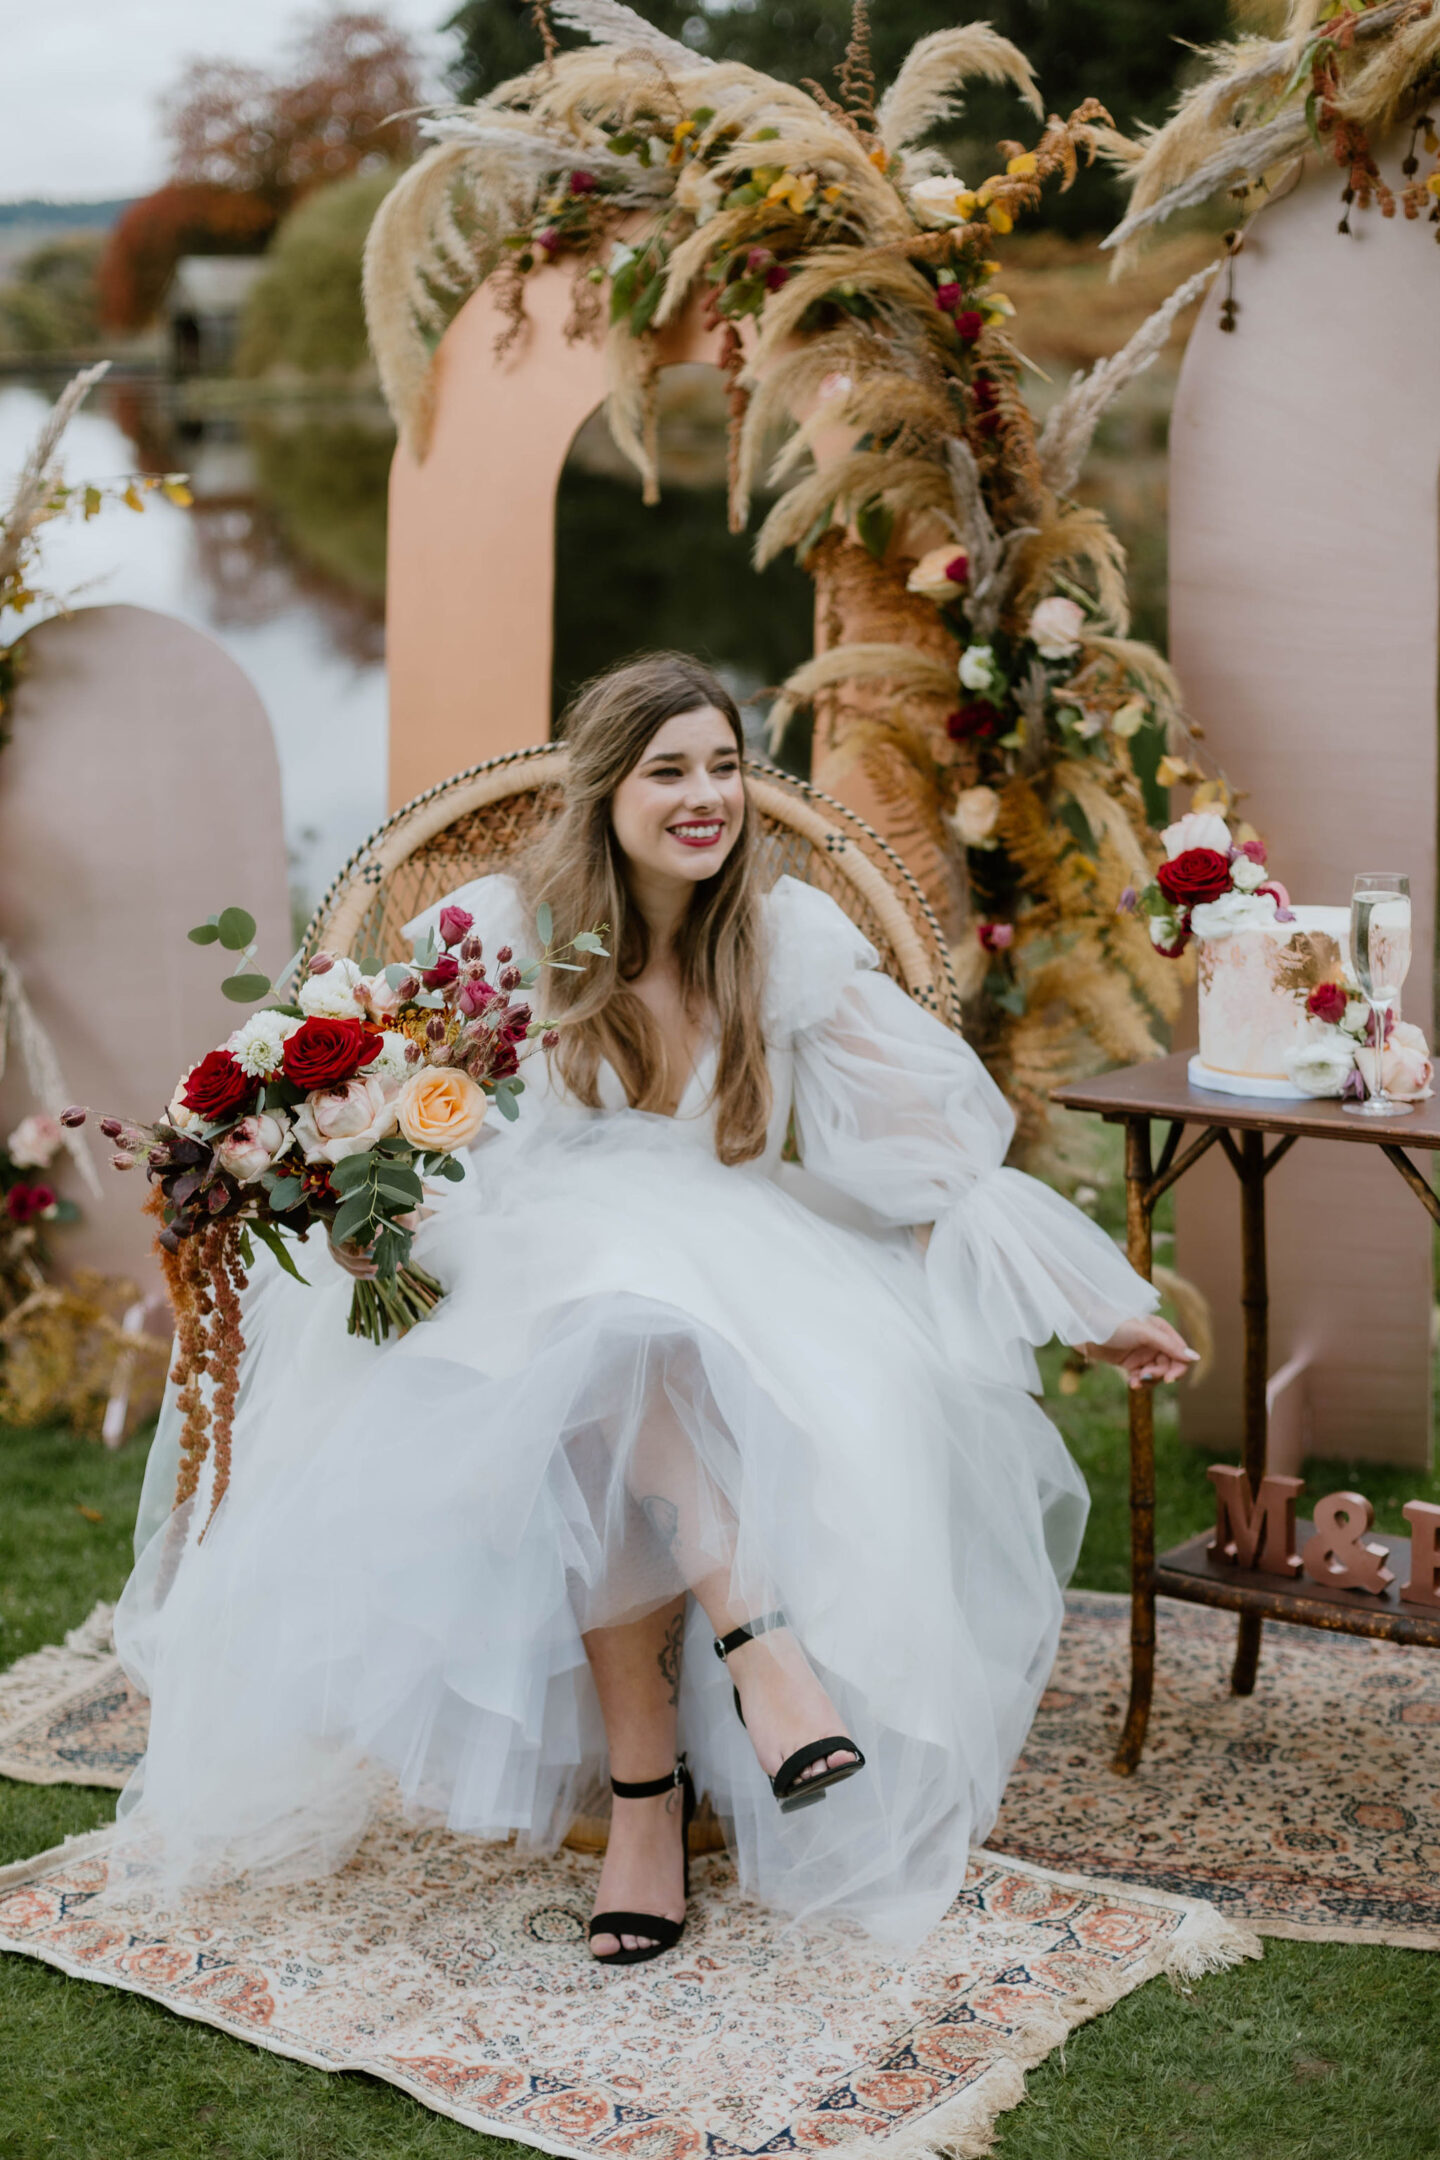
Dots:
(685, 1397)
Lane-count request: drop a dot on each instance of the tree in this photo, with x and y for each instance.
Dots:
(247, 144)
(305, 310)
(1114, 50)
(336, 111)
(48, 303)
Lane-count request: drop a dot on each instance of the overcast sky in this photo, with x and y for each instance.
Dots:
(81, 79)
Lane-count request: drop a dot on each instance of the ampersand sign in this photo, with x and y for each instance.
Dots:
(1336, 1554)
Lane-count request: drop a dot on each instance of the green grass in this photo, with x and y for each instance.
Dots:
(1322, 2052)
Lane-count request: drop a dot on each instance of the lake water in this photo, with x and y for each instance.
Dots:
(282, 560)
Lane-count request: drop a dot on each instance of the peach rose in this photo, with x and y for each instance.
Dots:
(441, 1109)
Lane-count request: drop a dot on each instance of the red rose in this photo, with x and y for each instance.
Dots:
(970, 322)
(948, 296)
(218, 1087)
(1198, 875)
(444, 972)
(980, 719)
(24, 1202)
(327, 1053)
(1327, 1002)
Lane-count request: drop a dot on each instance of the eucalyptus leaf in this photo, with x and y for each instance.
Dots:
(236, 929)
(544, 922)
(286, 1193)
(588, 941)
(205, 933)
(506, 1104)
(269, 1235)
(350, 1171)
(450, 1169)
(245, 989)
(356, 1214)
(530, 973)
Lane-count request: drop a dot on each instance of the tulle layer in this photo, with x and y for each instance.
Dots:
(647, 1367)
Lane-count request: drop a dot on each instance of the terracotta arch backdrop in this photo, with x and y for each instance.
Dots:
(471, 575)
(1304, 585)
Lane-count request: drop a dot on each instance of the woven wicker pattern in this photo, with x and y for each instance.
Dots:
(481, 820)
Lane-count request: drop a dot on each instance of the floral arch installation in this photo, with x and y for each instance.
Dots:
(973, 680)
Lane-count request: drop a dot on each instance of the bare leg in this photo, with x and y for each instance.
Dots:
(785, 1705)
(637, 1678)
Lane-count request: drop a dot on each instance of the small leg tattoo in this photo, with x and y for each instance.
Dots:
(670, 1654)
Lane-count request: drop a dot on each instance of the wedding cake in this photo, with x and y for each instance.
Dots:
(1279, 1012)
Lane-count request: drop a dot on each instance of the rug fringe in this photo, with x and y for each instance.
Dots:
(1207, 1942)
(32, 1683)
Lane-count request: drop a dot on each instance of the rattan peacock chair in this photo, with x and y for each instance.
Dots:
(483, 818)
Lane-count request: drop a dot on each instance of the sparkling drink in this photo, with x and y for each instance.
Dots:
(1380, 957)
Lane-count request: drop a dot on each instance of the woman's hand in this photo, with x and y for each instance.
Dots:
(1145, 1350)
(355, 1259)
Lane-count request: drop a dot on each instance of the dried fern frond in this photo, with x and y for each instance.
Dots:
(893, 287)
(631, 410)
(1083, 979)
(1106, 818)
(1069, 429)
(1152, 676)
(1076, 539)
(926, 90)
(793, 381)
(1382, 89)
(910, 672)
(883, 402)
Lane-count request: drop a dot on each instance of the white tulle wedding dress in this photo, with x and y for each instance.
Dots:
(414, 1537)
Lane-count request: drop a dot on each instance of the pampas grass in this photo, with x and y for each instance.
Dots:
(1069, 430)
(925, 92)
(606, 22)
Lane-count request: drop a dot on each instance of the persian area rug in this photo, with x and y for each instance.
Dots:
(458, 1971)
(1309, 1809)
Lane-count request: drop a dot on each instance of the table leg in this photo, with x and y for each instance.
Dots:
(1142, 1470)
(1255, 1305)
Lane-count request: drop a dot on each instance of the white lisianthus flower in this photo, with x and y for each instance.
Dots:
(975, 816)
(1357, 1018)
(177, 1114)
(1166, 931)
(35, 1141)
(1322, 1064)
(1055, 628)
(249, 1148)
(332, 996)
(1199, 828)
(977, 667)
(941, 574)
(1231, 912)
(1246, 873)
(259, 1045)
(393, 1062)
(941, 200)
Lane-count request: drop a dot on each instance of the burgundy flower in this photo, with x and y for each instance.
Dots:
(516, 1024)
(1327, 1002)
(995, 937)
(444, 972)
(1255, 849)
(476, 997)
(1199, 874)
(970, 322)
(947, 296)
(582, 183)
(548, 241)
(455, 922)
(979, 720)
(504, 1059)
(218, 1087)
(1173, 952)
(776, 276)
(326, 1053)
(757, 261)
(24, 1202)
(75, 1115)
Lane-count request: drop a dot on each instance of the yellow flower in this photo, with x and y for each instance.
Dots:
(1433, 183)
(999, 305)
(796, 189)
(1130, 718)
(990, 269)
(1000, 218)
(880, 157)
(681, 129)
(1023, 167)
(833, 194)
(1173, 771)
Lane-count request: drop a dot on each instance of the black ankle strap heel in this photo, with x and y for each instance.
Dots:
(664, 1933)
(790, 1785)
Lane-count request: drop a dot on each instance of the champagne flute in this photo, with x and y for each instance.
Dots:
(1380, 957)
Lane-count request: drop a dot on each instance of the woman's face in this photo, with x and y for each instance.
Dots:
(678, 813)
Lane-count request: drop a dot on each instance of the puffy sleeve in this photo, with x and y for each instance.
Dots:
(893, 1109)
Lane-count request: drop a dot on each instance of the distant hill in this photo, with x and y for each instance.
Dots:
(37, 211)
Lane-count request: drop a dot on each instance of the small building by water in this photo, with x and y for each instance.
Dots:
(203, 310)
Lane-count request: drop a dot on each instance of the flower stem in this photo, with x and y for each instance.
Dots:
(379, 1307)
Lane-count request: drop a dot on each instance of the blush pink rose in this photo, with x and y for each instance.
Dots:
(1408, 1069)
(250, 1147)
(336, 1122)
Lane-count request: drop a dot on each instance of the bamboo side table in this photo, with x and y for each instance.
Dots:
(1241, 1126)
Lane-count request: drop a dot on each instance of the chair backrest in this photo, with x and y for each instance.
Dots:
(482, 819)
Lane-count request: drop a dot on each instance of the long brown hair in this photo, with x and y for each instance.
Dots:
(579, 868)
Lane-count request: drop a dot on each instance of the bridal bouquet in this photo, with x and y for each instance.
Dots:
(335, 1108)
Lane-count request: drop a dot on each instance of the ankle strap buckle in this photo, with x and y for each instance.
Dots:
(724, 1644)
(651, 1788)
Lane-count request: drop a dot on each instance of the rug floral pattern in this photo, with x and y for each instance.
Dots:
(458, 1970)
(1310, 1808)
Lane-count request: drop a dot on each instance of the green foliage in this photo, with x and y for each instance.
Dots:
(48, 305)
(305, 313)
(323, 478)
(1128, 53)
